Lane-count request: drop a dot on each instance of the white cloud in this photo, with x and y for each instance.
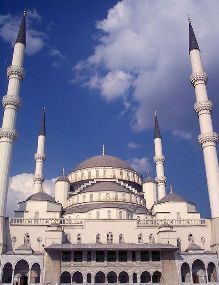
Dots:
(9, 26)
(142, 50)
(140, 164)
(56, 53)
(182, 134)
(21, 187)
(133, 145)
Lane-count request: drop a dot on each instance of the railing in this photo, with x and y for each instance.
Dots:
(46, 222)
(171, 222)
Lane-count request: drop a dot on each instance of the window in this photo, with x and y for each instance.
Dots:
(114, 174)
(104, 173)
(91, 197)
(89, 174)
(79, 239)
(66, 256)
(97, 173)
(155, 256)
(123, 197)
(121, 239)
(99, 197)
(100, 256)
(88, 256)
(120, 215)
(135, 278)
(144, 256)
(122, 256)
(82, 175)
(116, 197)
(98, 215)
(84, 198)
(109, 214)
(107, 196)
(178, 216)
(133, 256)
(140, 238)
(109, 238)
(88, 278)
(111, 256)
(98, 239)
(121, 174)
(78, 256)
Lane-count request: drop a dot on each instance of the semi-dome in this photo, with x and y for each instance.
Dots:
(41, 196)
(103, 161)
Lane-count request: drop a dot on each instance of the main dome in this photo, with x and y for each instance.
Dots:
(103, 161)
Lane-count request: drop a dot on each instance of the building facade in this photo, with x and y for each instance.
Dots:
(106, 224)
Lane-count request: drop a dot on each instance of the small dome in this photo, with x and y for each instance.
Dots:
(41, 196)
(63, 178)
(103, 161)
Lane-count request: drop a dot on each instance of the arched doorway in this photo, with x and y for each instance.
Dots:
(123, 277)
(111, 277)
(185, 273)
(157, 277)
(7, 273)
(100, 277)
(145, 277)
(21, 272)
(77, 277)
(198, 272)
(212, 272)
(65, 278)
(35, 274)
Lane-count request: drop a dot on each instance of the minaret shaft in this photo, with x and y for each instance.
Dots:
(159, 161)
(207, 139)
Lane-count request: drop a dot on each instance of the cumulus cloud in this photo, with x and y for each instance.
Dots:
(182, 134)
(141, 56)
(9, 26)
(133, 145)
(56, 53)
(140, 164)
(21, 187)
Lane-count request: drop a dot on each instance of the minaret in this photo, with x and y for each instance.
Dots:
(11, 103)
(208, 138)
(159, 160)
(40, 156)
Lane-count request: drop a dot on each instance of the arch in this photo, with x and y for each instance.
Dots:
(21, 272)
(185, 273)
(140, 238)
(121, 238)
(77, 277)
(98, 238)
(134, 278)
(198, 272)
(107, 196)
(35, 273)
(7, 273)
(111, 277)
(109, 237)
(109, 214)
(100, 277)
(123, 277)
(65, 277)
(157, 277)
(145, 277)
(88, 277)
(212, 272)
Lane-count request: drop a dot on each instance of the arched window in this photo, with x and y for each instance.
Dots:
(185, 273)
(100, 277)
(36, 215)
(98, 238)
(79, 239)
(82, 175)
(123, 277)
(198, 272)
(84, 198)
(65, 277)
(88, 278)
(157, 277)
(21, 272)
(97, 173)
(91, 197)
(7, 273)
(134, 278)
(116, 197)
(123, 197)
(77, 277)
(145, 277)
(212, 272)
(111, 277)
(120, 215)
(107, 196)
(89, 174)
(128, 176)
(99, 197)
(35, 274)
(190, 238)
(109, 214)
(121, 174)
(140, 238)
(114, 174)
(121, 238)
(98, 215)
(178, 216)
(109, 237)
(104, 173)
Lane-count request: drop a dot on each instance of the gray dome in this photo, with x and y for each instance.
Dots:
(63, 178)
(103, 161)
(173, 197)
(106, 186)
(41, 196)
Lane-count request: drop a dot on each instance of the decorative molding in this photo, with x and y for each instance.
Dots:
(11, 100)
(10, 135)
(199, 78)
(203, 107)
(15, 71)
(161, 180)
(208, 139)
(40, 157)
(159, 159)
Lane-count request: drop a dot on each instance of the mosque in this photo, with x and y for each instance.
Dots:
(106, 224)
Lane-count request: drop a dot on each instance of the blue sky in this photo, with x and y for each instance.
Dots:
(101, 68)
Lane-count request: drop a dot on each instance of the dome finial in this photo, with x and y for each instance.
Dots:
(171, 188)
(63, 171)
(189, 19)
(149, 172)
(103, 150)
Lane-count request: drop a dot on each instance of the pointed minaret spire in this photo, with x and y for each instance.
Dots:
(193, 44)
(156, 126)
(159, 160)
(103, 150)
(21, 37)
(42, 131)
(40, 157)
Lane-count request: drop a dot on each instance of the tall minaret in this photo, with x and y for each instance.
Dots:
(208, 138)
(159, 160)
(11, 103)
(40, 156)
